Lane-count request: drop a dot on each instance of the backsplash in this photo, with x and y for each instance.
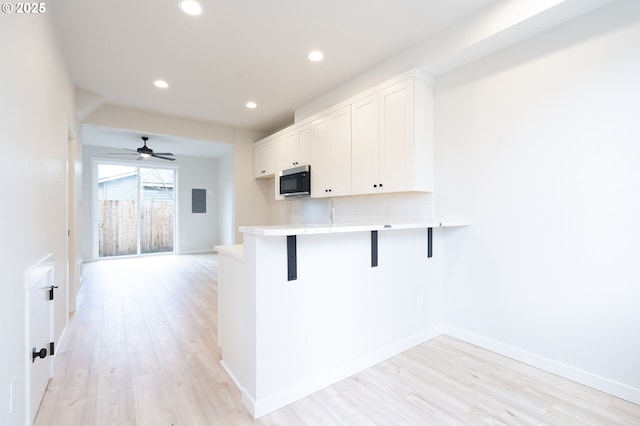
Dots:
(380, 208)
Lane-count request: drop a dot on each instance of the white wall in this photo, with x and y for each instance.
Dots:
(225, 200)
(197, 232)
(252, 196)
(35, 103)
(539, 147)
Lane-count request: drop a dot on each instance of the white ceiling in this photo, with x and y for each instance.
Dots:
(238, 50)
(120, 139)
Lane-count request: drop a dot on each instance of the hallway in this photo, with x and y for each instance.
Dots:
(142, 348)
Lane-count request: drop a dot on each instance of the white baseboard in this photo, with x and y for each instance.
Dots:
(247, 400)
(230, 373)
(200, 251)
(273, 402)
(600, 383)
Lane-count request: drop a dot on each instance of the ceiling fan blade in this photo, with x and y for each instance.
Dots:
(164, 158)
(122, 153)
(162, 153)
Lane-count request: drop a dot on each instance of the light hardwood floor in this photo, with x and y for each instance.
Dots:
(142, 350)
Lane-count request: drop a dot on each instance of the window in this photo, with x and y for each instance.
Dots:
(135, 208)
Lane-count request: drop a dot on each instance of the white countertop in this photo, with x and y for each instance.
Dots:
(235, 250)
(280, 230)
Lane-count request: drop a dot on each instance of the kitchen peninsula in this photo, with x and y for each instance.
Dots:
(304, 306)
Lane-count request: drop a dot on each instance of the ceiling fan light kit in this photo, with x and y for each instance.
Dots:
(145, 152)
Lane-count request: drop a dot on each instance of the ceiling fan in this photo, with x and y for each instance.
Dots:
(145, 152)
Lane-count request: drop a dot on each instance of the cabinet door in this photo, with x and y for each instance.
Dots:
(280, 163)
(291, 150)
(341, 151)
(365, 176)
(331, 154)
(303, 137)
(263, 159)
(297, 146)
(321, 157)
(397, 144)
(258, 163)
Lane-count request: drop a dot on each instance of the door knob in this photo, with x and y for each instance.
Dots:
(42, 353)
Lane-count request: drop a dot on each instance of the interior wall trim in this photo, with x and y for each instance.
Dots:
(566, 371)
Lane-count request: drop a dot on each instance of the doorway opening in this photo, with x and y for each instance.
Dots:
(136, 209)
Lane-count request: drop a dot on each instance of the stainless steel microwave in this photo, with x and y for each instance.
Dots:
(296, 182)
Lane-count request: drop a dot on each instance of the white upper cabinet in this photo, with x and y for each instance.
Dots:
(297, 146)
(380, 141)
(264, 158)
(406, 136)
(393, 139)
(331, 154)
(292, 149)
(365, 146)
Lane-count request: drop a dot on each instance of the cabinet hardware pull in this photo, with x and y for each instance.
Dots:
(42, 353)
(51, 288)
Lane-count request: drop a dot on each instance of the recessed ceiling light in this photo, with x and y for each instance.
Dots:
(251, 105)
(191, 7)
(316, 56)
(161, 84)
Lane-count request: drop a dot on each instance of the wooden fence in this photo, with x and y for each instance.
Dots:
(118, 232)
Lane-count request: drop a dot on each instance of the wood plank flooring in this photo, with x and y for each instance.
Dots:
(142, 350)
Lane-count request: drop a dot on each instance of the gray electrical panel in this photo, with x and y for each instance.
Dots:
(198, 201)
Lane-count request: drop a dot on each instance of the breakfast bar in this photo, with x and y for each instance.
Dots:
(359, 294)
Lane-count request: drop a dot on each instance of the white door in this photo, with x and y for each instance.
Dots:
(39, 324)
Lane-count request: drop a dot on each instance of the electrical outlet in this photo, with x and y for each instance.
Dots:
(305, 339)
(12, 395)
(420, 302)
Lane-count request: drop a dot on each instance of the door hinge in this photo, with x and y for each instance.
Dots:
(51, 347)
(51, 291)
